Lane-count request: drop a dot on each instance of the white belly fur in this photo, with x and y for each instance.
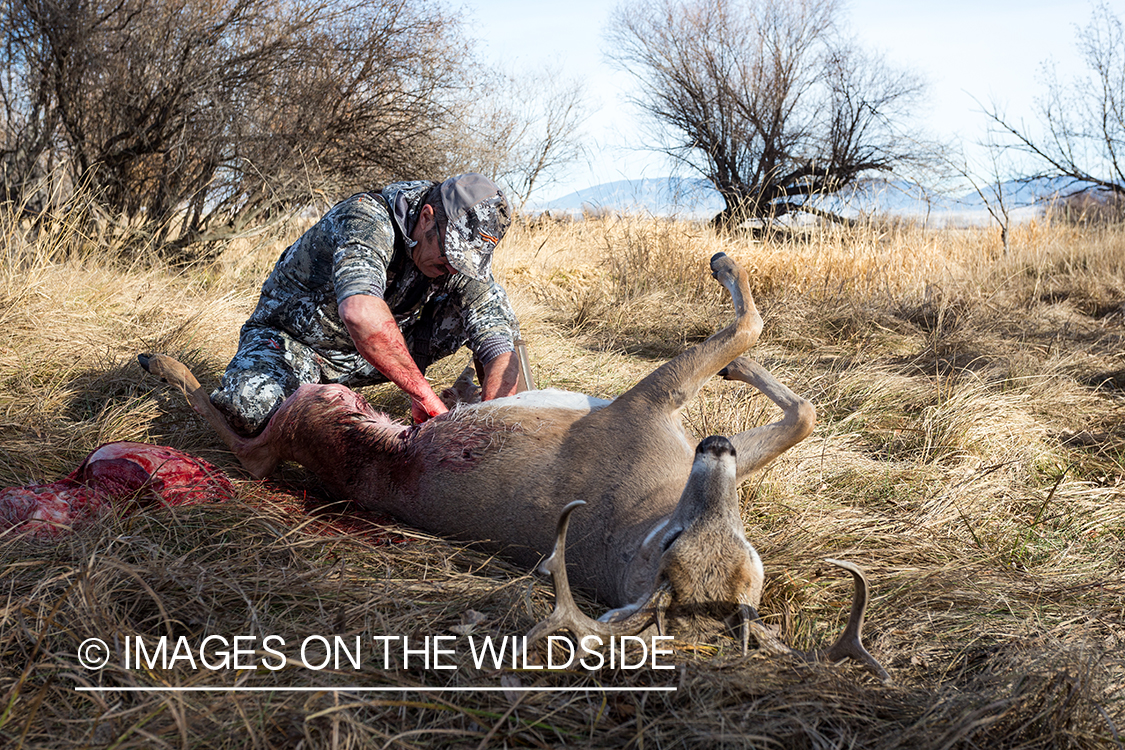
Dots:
(550, 398)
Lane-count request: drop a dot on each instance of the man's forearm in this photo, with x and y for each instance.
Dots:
(379, 341)
(501, 376)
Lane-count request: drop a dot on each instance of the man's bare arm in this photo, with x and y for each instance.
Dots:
(500, 376)
(372, 327)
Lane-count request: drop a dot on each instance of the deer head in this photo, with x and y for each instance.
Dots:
(708, 572)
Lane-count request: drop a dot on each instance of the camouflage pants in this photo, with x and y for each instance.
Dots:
(271, 364)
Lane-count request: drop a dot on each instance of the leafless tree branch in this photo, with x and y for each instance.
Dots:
(1079, 130)
(765, 98)
(214, 113)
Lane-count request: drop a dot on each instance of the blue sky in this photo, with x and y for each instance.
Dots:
(988, 49)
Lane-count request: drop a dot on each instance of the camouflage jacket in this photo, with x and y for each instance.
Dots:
(361, 246)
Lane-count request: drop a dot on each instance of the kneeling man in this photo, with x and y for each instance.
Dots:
(384, 285)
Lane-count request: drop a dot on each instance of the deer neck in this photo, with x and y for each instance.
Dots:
(354, 450)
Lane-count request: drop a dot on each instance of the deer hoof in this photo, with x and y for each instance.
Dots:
(155, 364)
(721, 264)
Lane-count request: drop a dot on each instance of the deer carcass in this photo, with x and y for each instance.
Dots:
(661, 530)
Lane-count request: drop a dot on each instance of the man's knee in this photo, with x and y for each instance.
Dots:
(248, 402)
(267, 368)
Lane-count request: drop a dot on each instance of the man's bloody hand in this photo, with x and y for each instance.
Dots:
(420, 411)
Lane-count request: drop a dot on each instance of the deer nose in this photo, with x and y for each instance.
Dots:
(716, 445)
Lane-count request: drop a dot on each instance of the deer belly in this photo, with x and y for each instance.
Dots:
(549, 398)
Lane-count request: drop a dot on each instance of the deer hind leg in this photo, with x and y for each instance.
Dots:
(256, 455)
(676, 382)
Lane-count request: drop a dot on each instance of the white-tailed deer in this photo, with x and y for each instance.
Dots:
(661, 532)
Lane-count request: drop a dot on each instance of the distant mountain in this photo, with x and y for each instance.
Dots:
(697, 199)
(664, 196)
(1027, 192)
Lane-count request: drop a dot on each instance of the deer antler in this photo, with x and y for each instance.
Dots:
(850, 642)
(567, 615)
(849, 645)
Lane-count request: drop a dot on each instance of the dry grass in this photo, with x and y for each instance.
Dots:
(970, 455)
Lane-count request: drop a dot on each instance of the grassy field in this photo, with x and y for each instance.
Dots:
(970, 455)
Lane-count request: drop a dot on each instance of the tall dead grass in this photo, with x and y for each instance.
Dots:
(969, 454)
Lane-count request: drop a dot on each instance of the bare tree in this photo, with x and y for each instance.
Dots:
(29, 137)
(764, 98)
(522, 129)
(995, 197)
(549, 111)
(1080, 129)
(214, 112)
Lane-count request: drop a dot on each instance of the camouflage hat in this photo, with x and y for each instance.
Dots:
(478, 217)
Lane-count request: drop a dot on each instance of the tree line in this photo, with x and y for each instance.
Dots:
(197, 119)
(774, 104)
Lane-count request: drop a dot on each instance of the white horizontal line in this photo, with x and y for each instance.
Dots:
(202, 689)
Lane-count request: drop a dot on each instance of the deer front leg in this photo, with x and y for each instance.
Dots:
(676, 382)
(757, 447)
(463, 390)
